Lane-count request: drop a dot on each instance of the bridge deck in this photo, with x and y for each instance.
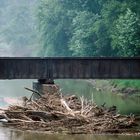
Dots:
(69, 68)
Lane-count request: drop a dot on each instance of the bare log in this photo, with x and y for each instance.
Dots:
(65, 105)
(34, 91)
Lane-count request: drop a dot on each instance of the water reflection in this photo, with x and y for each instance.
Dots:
(12, 90)
(125, 104)
(7, 134)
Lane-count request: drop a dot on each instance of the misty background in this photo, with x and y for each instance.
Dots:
(18, 38)
(69, 28)
(18, 28)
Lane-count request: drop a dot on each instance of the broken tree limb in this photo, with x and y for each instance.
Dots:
(34, 91)
(82, 104)
(65, 105)
(31, 97)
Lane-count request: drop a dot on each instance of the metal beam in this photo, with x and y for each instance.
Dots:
(70, 68)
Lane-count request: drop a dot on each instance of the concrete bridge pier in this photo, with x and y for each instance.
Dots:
(45, 86)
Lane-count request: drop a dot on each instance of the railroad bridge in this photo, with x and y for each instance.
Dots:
(70, 68)
(50, 68)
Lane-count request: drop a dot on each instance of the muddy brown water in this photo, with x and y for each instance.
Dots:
(126, 105)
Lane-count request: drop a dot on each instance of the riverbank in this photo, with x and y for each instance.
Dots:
(124, 87)
(55, 113)
(128, 87)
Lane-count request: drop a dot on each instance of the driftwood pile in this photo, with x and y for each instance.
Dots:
(67, 114)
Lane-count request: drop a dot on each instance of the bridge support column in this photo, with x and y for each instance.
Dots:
(44, 86)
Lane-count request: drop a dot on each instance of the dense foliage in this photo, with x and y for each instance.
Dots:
(89, 27)
(18, 34)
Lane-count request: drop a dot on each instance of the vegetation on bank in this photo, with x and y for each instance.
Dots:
(122, 84)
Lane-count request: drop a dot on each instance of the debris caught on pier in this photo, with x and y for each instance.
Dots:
(56, 113)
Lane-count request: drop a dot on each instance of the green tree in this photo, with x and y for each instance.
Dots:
(54, 28)
(93, 6)
(102, 41)
(82, 41)
(126, 37)
(86, 27)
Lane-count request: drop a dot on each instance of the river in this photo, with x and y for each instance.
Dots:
(15, 89)
(125, 104)
(8, 134)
